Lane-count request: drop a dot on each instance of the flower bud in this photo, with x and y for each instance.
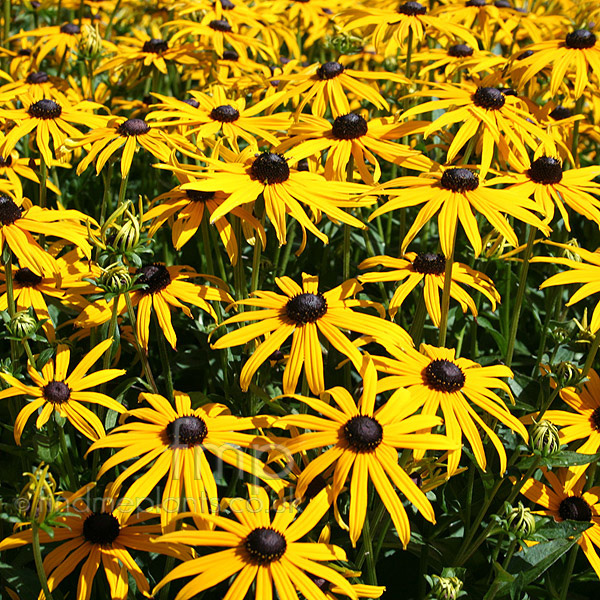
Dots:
(22, 325)
(446, 588)
(567, 253)
(39, 494)
(90, 43)
(544, 437)
(115, 279)
(568, 374)
(521, 521)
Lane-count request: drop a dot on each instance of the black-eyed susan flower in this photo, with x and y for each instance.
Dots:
(585, 271)
(365, 441)
(50, 120)
(205, 116)
(54, 390)
(174, 441)
(429, 268)
(495, 119)
(162, 287)
(63, 39)
(327, 85)
(102, 537)
(37, 85)
(351, 136)
(390, 29)
(564, 498)
(550, 186)
(260, 549)
(19, 219)
(572, 58)
(120, 133)
(437, 379)
(304, 313)
(456, 192)
(247, 175)
(188, 208)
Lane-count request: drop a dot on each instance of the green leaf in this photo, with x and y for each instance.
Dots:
(564, 458)
(553, 530)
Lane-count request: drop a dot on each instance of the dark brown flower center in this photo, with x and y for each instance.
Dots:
(231, 55)
(24, 52)
(25, 277)
(321, 583)
(546, 170)
(525, 54)
(155, 46)
(459, 180)
(363, 433)
(265, 545)
(412, 9)
(306, 308)
(154, 277)
(349, 127)
(580, 39)
(429, 263)
(508, 91)
(227, 5)
(477, 3)
(269, 167)
(101, 528)
(595, 419)
(225, 113)
(220, 25)
(199, 196)
(443, 376)
(460, 51)
(57, 392)
(489, 98)
(133, 127)
(39, 77)
(575, 508)
(6, 162)
(560, 112)
(329, 70)
(45, 109)
(192, 102)
(502, 4)
(70, 28)
(9, 211)
(186, 431)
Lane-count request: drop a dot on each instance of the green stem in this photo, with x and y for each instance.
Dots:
(409, 50)
(43, 189)
(29, 354)
(37, 557)
(206, 245)
(568, 572)
(516, 311)
(164, 359)
(123, 189)
(368, 552)
(576, 125)
(7, 21)
(288, 249)
(10, 299)
(141, 352)
(446, 294)
(107, 178)
(254, 280)
(416, 329)
(72, 480)
(346, 249)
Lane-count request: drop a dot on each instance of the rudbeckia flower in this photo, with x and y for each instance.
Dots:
(500, 121)
(584, 422)
(175, 442)
(119, 132)
(37, 85)
(326, 84)
(390, 29)
(103, 537)
(303, 313)
(259, 549)
(55, 391)
(366, 440)
(351, 135)
(188, 207)
(162, 287)
(18, 220)
(206, 116)
(549, 185)
(585, 271)
(429, 268)
(565, 498)
(247, 175)
(49, 119)
(578, 52)
(456, 193)
(435, 378)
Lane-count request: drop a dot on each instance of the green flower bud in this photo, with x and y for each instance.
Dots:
(115, 279)
(571, 255)
(446, 588)
(390, 63)
(568, 374)
(544, 437)
(22, 325)
(521, 521)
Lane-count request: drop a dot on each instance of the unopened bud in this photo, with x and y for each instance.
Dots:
(446, 588)
(90, 43)
(115, 279)
(22, 325)
(568, 374)
(567, 253)
(544, 437)
(521, 521)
